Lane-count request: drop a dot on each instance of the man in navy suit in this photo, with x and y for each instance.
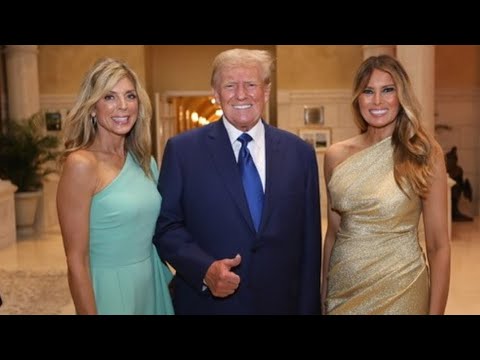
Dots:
(227, 259)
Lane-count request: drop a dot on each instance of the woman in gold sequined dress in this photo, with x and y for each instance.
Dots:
(379, 182)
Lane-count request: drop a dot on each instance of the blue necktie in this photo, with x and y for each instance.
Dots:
(251, 180)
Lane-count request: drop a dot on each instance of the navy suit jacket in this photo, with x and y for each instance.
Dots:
(204, 217)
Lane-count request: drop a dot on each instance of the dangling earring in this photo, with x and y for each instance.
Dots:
(94, 121)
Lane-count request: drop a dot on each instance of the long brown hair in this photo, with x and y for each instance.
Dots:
(413, 146)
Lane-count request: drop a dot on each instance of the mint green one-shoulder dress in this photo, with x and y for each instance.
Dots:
(127, 274)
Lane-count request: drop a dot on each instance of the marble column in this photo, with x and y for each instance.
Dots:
(23, 91)
(419, 62)
(375, 50)
(22, 80)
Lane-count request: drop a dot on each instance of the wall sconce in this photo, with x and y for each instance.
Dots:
(194, 116)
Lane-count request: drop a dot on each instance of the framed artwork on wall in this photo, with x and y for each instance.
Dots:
(53, 121)
(314, 115)
(318, 137)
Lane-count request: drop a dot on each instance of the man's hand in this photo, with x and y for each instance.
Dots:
(219, 278)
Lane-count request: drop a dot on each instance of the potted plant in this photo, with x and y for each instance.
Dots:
(25, 153)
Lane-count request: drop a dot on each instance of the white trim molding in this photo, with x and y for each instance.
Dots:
(457, 95)
(54, 101)
(313, 96)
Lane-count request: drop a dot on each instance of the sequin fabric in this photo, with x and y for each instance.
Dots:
(377, 265)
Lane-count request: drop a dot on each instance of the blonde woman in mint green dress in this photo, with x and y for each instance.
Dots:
(107, 198)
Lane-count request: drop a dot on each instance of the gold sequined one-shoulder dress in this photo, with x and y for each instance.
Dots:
(377, 265)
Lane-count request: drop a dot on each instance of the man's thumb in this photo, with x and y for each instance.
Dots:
(235, 261)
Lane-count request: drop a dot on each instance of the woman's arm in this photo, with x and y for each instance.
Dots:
(74, 195)
(436, 235)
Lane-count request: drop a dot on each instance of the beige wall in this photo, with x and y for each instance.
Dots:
(185, 67)
(457, 66)
(61, 67)
(305, 67)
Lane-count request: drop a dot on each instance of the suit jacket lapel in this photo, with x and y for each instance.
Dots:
(220, 149)
(273, 171)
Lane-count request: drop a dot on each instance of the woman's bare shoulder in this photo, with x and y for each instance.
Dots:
(81, 162)
(340, 151)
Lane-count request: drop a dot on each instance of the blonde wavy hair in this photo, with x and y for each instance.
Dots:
(413, 152)
(98, 81)
(243, 57)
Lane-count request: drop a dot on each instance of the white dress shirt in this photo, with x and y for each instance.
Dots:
(256, 146)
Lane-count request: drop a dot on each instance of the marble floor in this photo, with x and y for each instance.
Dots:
(45, 252)
(37, 253)
(464, 295)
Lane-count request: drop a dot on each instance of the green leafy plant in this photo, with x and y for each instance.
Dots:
(25, 152)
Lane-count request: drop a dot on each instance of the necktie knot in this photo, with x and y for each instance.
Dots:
(245, 139)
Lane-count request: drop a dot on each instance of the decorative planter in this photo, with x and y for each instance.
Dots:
(8, 234)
